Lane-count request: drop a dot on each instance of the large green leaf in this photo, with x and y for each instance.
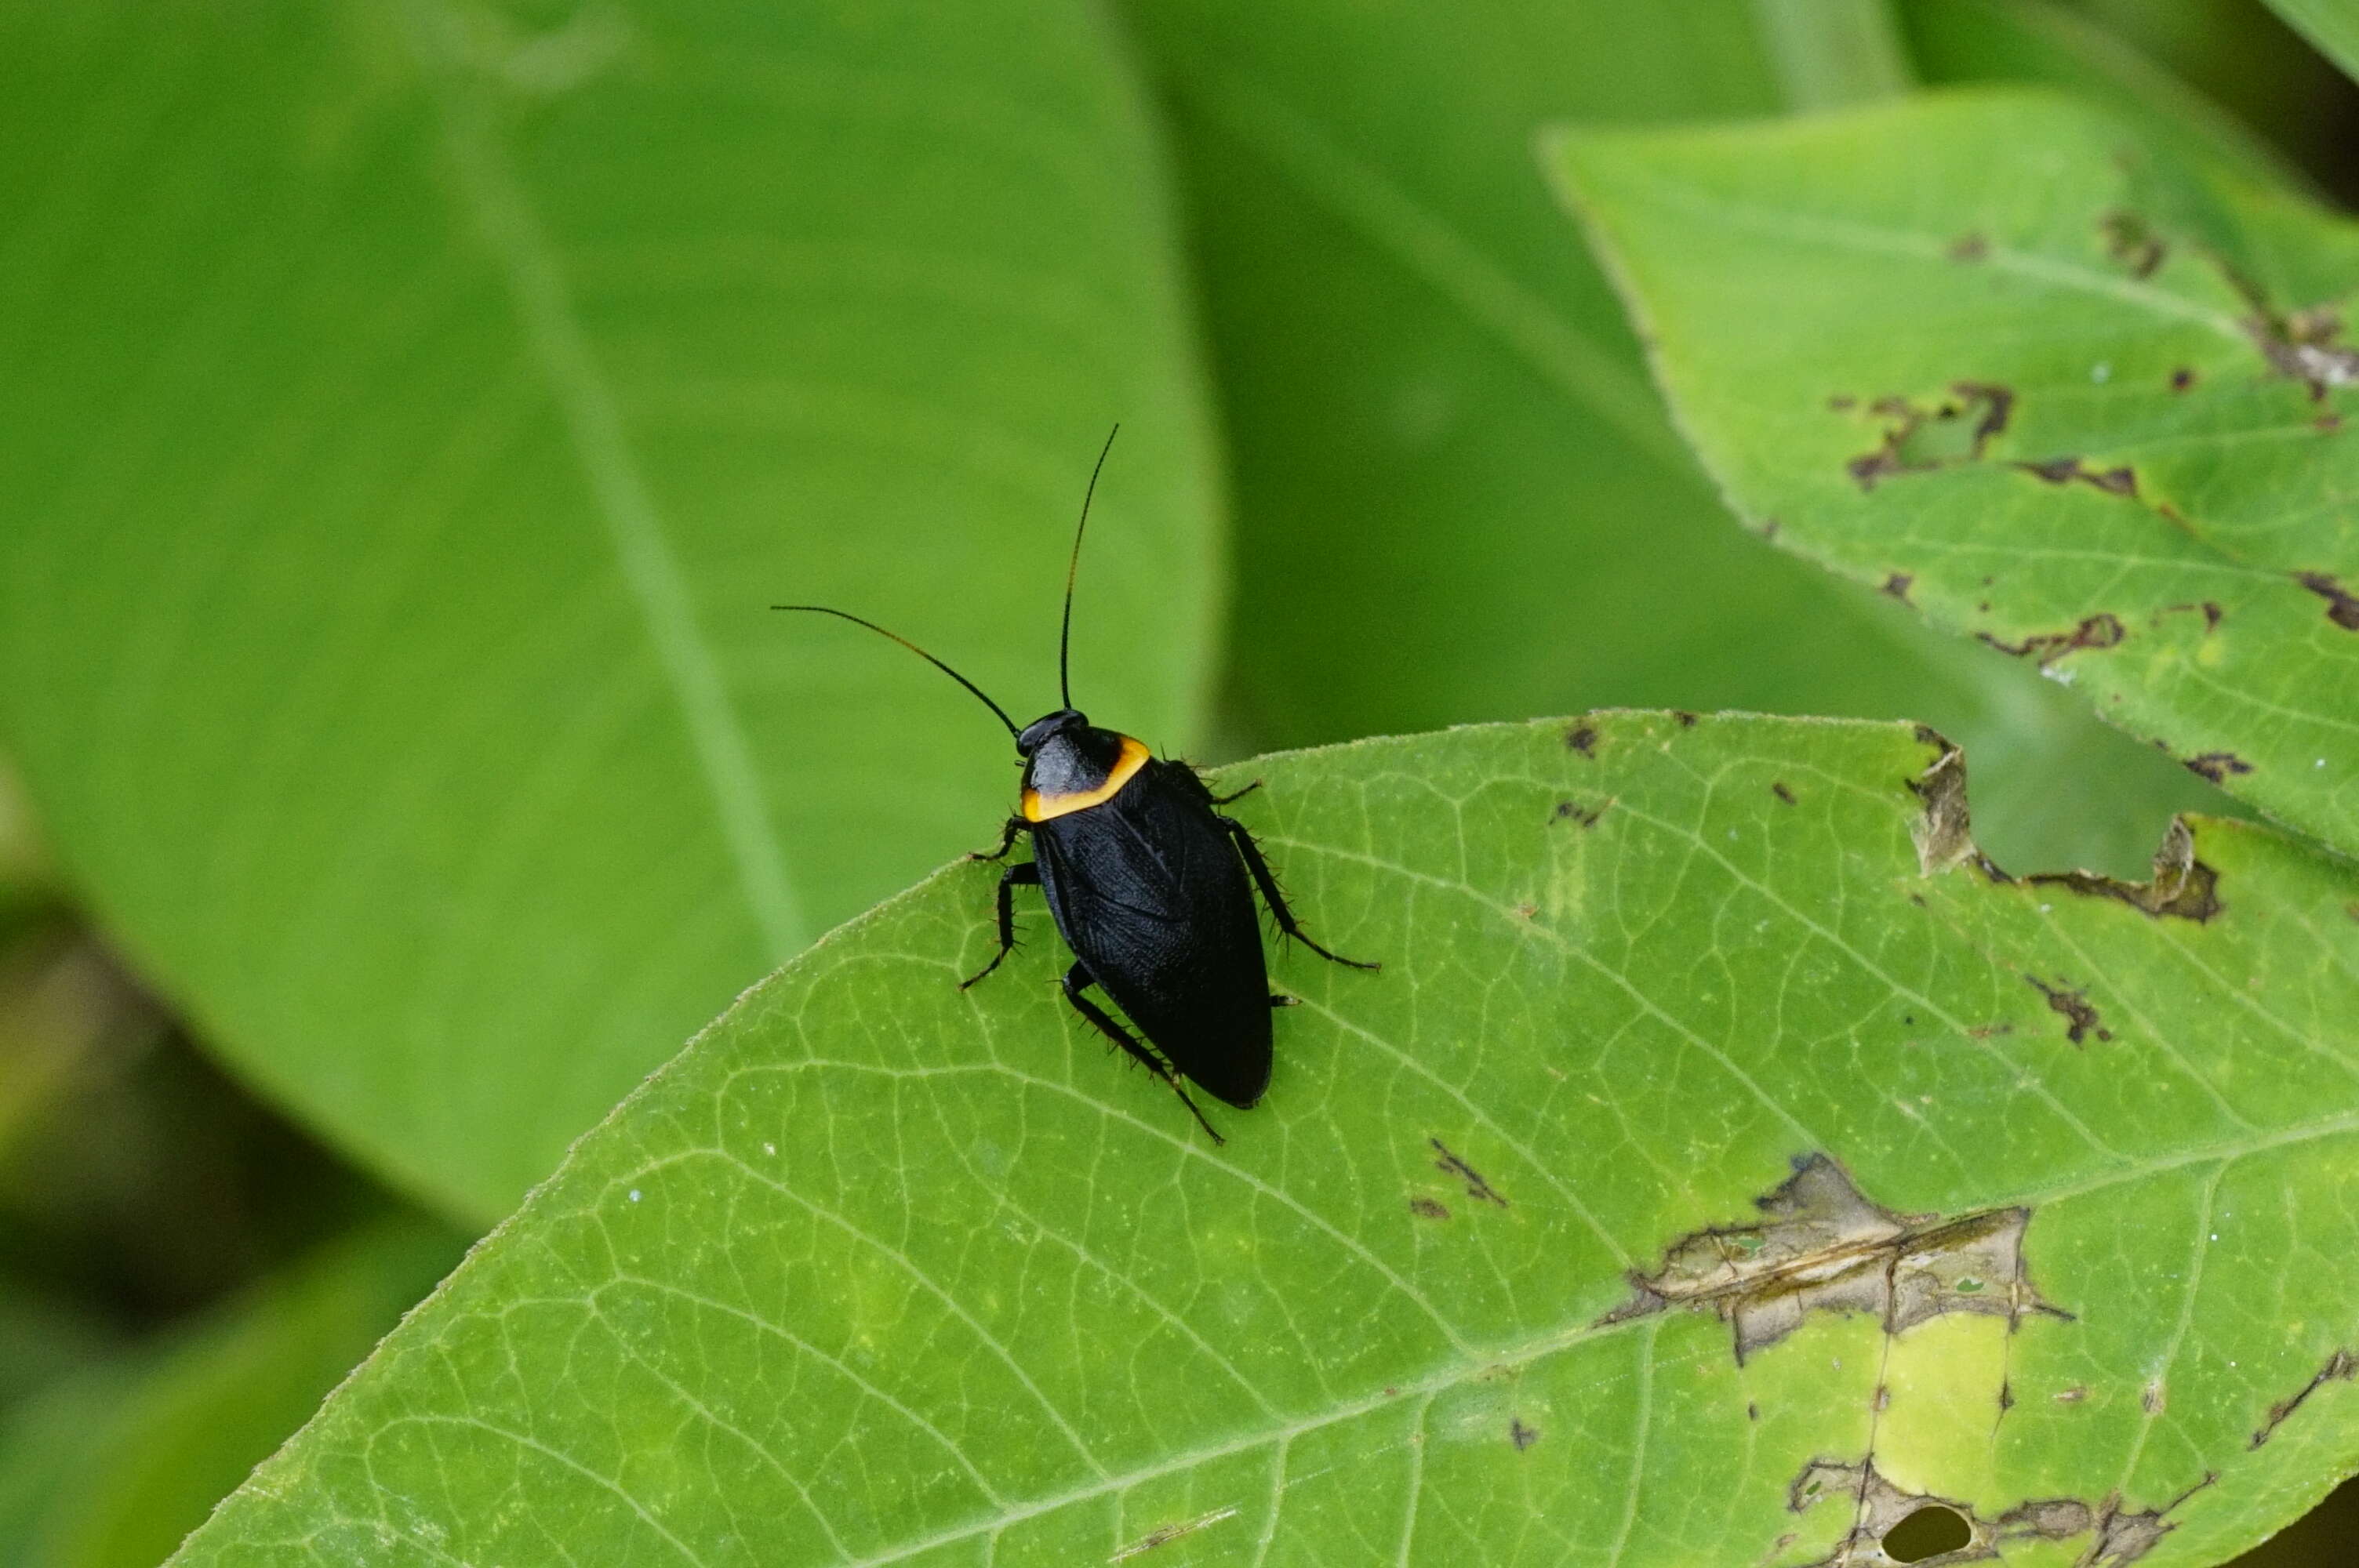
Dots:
(2061, 390)
(410, 411)
(1457, 497)
(884, 1272)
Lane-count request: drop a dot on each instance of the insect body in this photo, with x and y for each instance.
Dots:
(1151, 887)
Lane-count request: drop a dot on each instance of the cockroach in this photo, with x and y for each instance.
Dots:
(1150, 885)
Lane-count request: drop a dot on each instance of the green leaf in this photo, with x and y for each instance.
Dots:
(111, 1467)
(1833, 52)
(2059, 388)
(1457, 497)
(1955, 42)
(411, 411)
(2332, 25)
(881, 1271)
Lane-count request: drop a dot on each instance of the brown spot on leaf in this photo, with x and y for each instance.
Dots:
(1878, 1508)
(2182, 887)
(1583, 737)
(1686, 721)
(2072, 1396)
(2082, 1019)
(2132, 243)
(1582, 815)
(1428, 1208)
(2151, 1398)
(2065, 470)
(2123, 1537)
(1169, 1533)
(1476, 1188)
(2340, 1368)
(2210, 609)
(1968, 247)
(2181, 379)
(2342, 605)
(2303, 346)
(1782, 793)
(1822, 1245)
(1944, 829)
(1522, 1436)
(2099, 630)
(2217, 765)
(1898, 586)
(1958, 429)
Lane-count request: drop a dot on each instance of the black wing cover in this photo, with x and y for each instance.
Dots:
(1147, 891)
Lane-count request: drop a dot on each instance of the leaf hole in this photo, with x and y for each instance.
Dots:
(1928, 1532)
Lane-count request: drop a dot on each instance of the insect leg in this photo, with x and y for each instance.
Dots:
(1236, 795)
(1028, 874)
(1276, 899)
(1077, 979)
(1007, 833)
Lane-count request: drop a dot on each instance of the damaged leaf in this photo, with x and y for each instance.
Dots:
(1822, 1245)
(2125, 401)
(1712, 1180)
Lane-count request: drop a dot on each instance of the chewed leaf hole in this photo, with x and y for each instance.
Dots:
(1928, 1532)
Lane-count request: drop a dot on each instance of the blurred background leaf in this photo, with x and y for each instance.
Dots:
(2332, 25)
(109, 1468)
(412, 411)
(1457, 496)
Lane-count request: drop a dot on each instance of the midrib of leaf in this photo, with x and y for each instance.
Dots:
(493, 196)
(1642, 1424)
(1524, 1355)
(1848, 233)
(1283, 1434)
(1428, 248)
(2186, 1319)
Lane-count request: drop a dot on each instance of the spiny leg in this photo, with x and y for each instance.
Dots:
(1077, 979)
(1028, 874)
(1007, 832)
(1238, 795)
(1276, 899)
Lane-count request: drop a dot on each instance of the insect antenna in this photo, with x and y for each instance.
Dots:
(856, 621)
(1072, 569)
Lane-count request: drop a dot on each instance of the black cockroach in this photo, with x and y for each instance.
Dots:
(1147, 884)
